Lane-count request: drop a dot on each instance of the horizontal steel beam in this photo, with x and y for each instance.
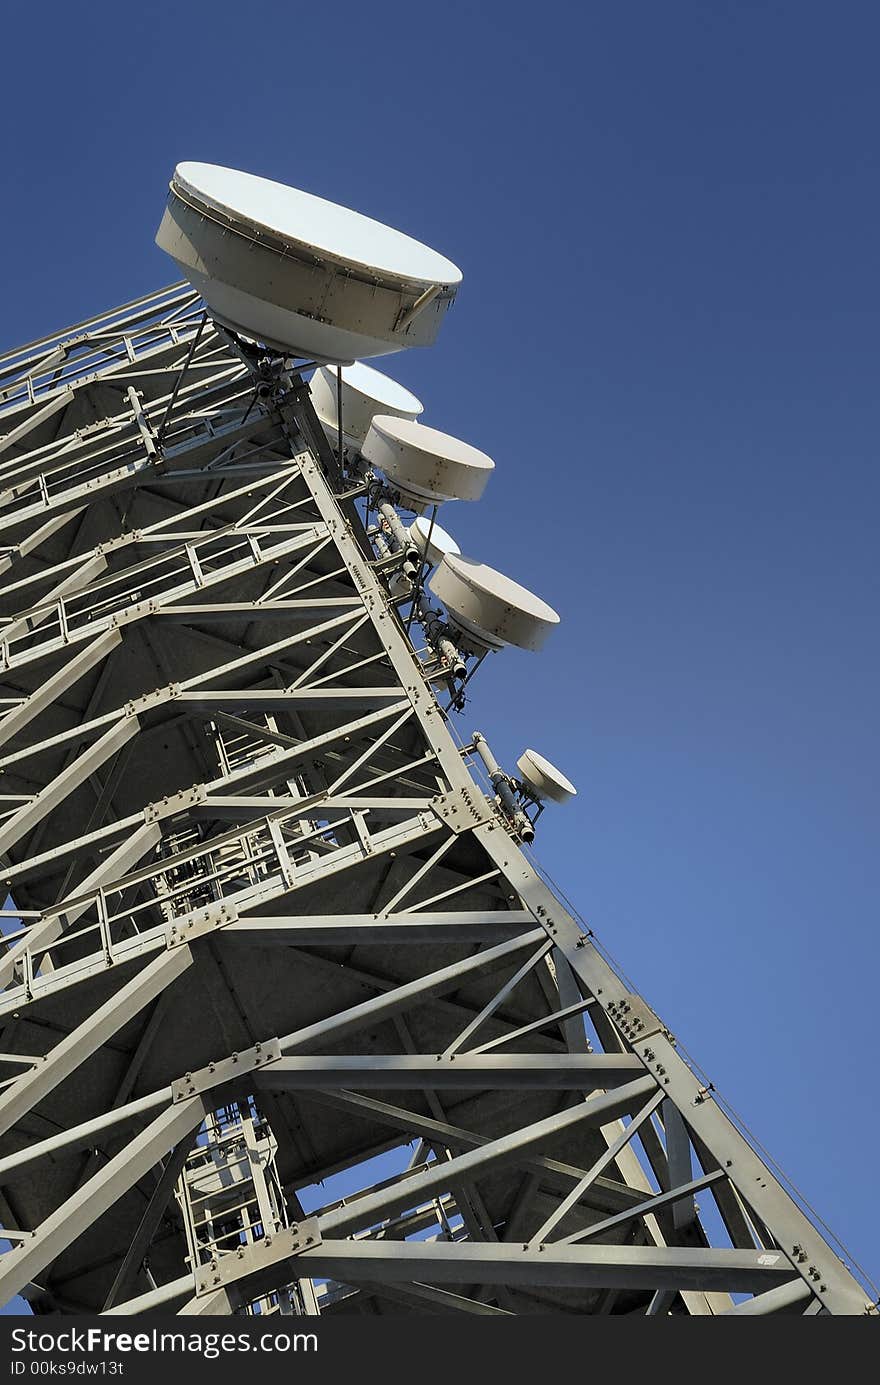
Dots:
(297, 700)
(247, 808)
(333, 1029)
(327, 929)
(304, 609)
(458, 1072)
(630, 1268)
(593, 1267)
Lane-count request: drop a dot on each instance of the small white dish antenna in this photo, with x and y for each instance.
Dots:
(543, 780)
(488, 609)
(425, 465)
(301, 274)
(439, 545)
(365, 393)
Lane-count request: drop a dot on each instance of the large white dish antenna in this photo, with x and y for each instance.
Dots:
(488, 609)
(299, 273)
(365, 393)
(425, 465)
(543, 780)
(439, 545)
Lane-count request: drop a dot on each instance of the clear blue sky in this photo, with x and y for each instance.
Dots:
(667, 218)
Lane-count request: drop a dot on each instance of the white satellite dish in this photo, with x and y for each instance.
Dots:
(543, 780)
(299, 273)
(425, 465)
(436, 548)
(365, 393)
(488, 609)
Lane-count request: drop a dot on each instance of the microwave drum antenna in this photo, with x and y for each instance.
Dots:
(425, 465)
(304, 275)
(488, 609)
(365, 393)
(542, 780)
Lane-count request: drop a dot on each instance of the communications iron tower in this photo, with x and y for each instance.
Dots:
(278, 924)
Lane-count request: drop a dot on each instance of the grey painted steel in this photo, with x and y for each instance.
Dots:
(623, 1267)
(509, 1147)
(100, 1193)
(312, 811)
(130, 850)
(745, 1168)
(106, 746)
(149, 1223)
(467, 1262)
(387, 1071)
(606, 1193)
(442, 1300)
(73, 1050)
(600, 1165)
(66, 676)
(466, 927)
(772, 1300)
(81, 1135)
(399, 997)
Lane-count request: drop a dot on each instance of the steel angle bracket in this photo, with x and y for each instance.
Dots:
(175, 803)
(226, 1070)
(463, 809)
(200, 922)
(153, 699)
(634, 1018)
(275, 1247)
(136, 611)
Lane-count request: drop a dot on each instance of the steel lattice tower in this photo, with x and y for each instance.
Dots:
(273, 926)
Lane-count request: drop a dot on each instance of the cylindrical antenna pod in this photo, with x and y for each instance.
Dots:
(437, 632)
(489, 609)
(301, 274)
(425, 465)
(432, 542)
(365, 393)
(400, 539)
(542, 780)
(501, 784)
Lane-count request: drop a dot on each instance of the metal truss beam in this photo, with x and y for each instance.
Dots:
(101, 1025)
(338, 784)
(457, 1072)
(604, 1193)
(335, 1028)
(19, 1267)
(469, 926)
(792, 1229)
(370, 1208)
(633, 1268)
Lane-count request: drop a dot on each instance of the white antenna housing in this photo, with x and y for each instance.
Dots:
(301, 274)
(543, 780)
(440, 543)
(365, 393)
(425, 465)
(488, 609)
